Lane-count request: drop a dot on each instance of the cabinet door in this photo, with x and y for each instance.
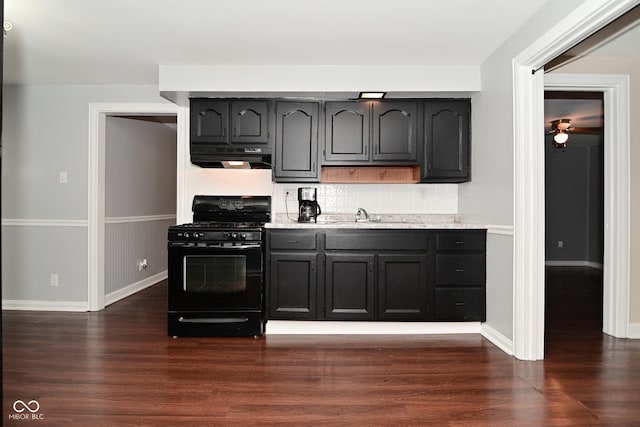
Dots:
(249, 122)
(296, 140)
(349, 281)
(292, 285)
(209, 121)
(402, 287)
(395, 131)
(447, 141)
(347, 131)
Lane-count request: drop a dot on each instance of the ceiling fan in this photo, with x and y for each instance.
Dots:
(561, 128)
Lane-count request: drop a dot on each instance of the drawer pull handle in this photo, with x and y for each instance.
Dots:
(460, 304)
(460, 270)
(460, 242)
(292, 241)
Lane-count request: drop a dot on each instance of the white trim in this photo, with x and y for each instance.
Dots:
(634, 331)
(35, 305)
(504, 230)
(141, 218)
(45, 222)
(617, 222)
(497, 338)
(116, 296)
(528, 88)
(355, 328)
(98, 113)
(588, 264)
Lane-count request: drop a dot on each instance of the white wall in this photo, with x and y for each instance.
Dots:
(45, 131)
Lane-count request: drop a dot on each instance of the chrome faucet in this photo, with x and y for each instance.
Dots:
(362, 215)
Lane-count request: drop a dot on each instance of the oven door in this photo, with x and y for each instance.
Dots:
(209, 277)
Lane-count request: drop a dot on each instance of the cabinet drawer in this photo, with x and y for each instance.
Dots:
(466, 241)
(378, 240)
(460, 269)
(460, 304)
(286, 240)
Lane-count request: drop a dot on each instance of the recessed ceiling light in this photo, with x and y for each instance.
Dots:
(372, 95)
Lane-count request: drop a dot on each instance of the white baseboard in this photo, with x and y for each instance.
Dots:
(35, 305)
(499, 340)
(115, 296)
(590, 264)
(634, 330)
(369, 328)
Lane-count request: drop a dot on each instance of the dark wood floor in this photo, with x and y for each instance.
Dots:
(118, 368)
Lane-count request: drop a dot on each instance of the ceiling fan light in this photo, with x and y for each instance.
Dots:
(561, 137)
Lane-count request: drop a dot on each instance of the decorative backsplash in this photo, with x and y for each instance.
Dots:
(378, 198)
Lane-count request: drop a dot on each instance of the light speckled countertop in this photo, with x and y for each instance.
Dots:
(377, 221)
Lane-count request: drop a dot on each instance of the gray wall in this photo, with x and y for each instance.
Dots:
(489, 197)
(140, 167)
(45, 131)
(574, 191)
(140, 201)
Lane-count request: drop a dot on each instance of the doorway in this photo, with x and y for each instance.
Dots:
(140, 201)
(574, 219)
(98, 114)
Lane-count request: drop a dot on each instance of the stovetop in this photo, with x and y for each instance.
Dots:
(220, 225)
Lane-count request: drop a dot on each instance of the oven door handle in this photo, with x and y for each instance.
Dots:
(247, 246)
(214, 320)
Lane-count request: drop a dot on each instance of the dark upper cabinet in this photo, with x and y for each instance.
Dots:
(394, 131)
(359, 132)
(209, 121)
(347, 126)
(229, 121)
(296, 144)
(447, 141)
(249, 122)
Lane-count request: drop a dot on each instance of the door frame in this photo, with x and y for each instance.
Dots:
(529, 197)
(98, 113)
(616, 269)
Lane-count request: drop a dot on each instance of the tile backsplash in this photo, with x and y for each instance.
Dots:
(375, 198)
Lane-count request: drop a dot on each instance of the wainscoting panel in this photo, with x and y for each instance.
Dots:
(128, 243)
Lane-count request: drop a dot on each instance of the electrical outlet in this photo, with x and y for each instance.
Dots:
(53, 280)
(560, 244)
(292, 192)
(142, 265)
(63, 177)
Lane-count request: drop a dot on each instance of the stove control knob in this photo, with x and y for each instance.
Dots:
(186, 235)
(243, 236)
(233, 235)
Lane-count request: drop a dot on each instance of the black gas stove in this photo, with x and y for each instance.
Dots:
(216, 268)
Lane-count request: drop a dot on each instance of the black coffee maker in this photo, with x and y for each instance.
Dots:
(308, 207)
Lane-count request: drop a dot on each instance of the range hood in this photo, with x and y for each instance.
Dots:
(231, 157)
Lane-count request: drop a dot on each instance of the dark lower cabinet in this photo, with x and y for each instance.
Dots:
(388, 275)
(459, 275)
(402, 287)
(292, 285)
(349, 286)
(460, 304)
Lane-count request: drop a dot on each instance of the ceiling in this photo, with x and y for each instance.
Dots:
(124, 41)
